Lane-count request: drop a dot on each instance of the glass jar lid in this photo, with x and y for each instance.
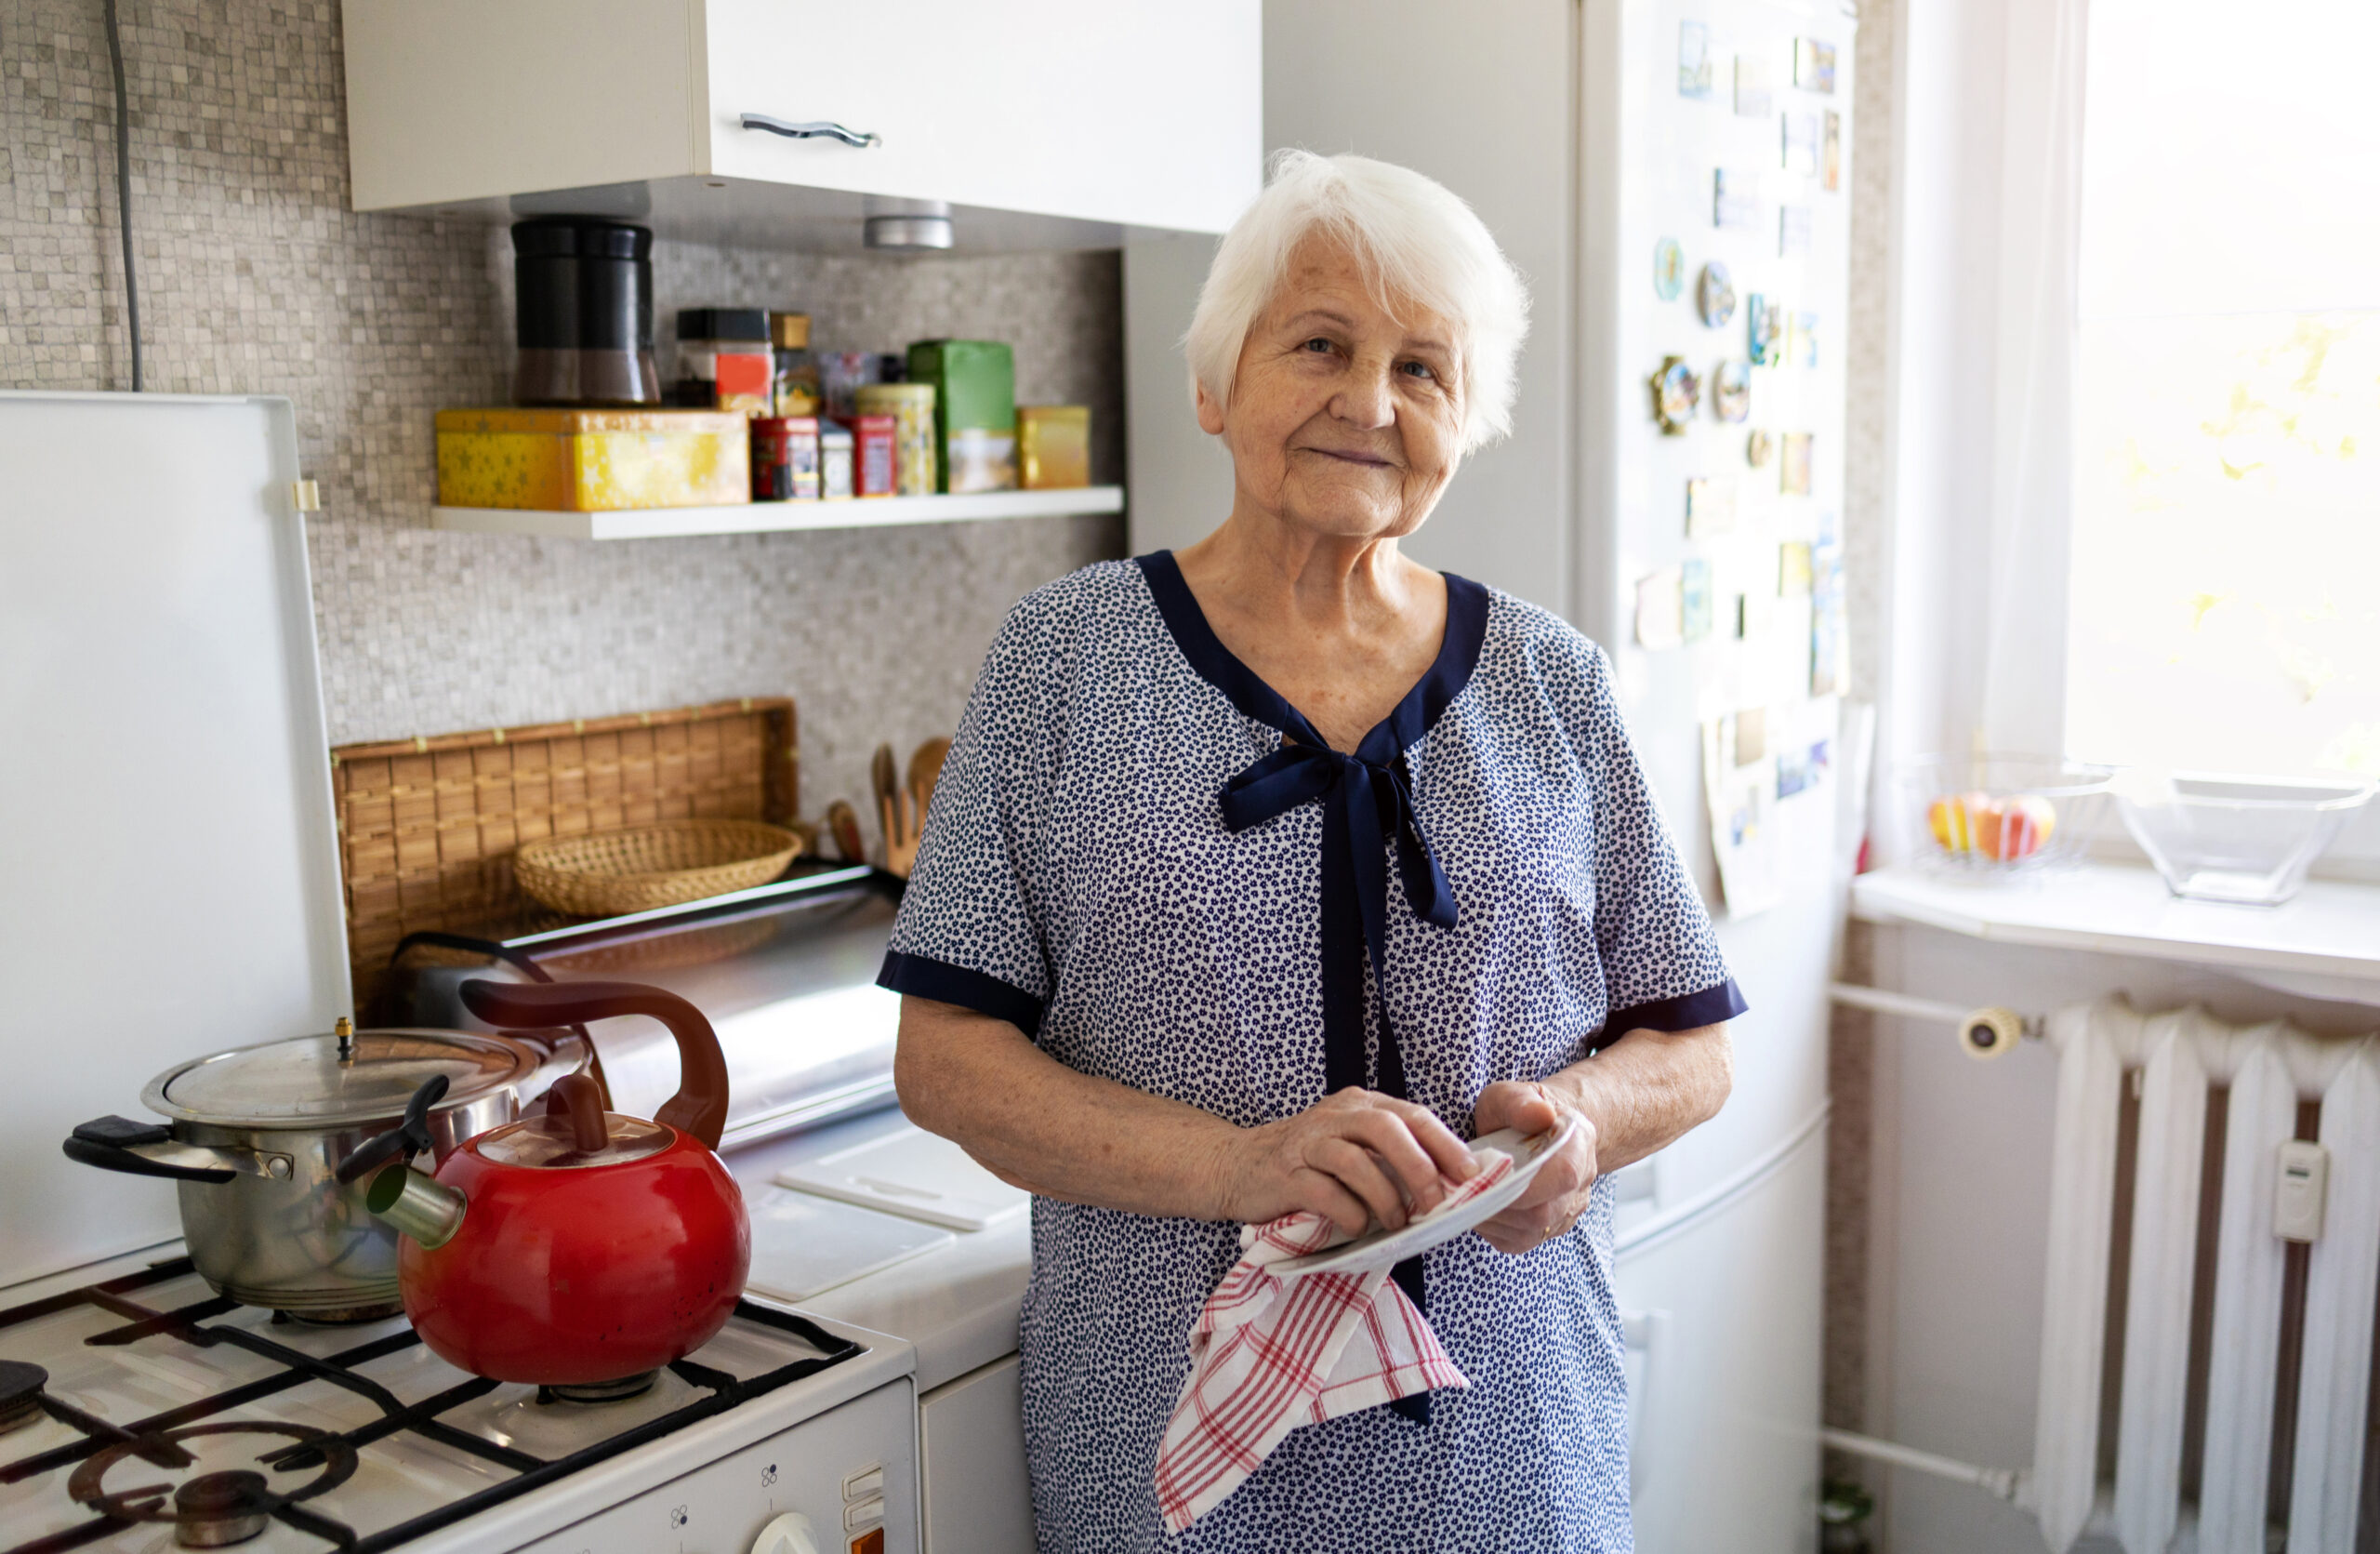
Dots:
(549, 1142)
(336, 1078)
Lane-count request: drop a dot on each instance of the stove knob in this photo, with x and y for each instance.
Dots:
(788, 1535)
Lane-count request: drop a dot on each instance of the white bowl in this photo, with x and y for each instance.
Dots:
(2245, 840)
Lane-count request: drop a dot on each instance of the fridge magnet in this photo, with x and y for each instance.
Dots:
(1710, 508)
(1830, 153)
(1797, 769)
(1735, 207)
(1830, 659)
(1792, 229)
(1694, 68)
(1694, 599)
(1752, 97)
(1675, 393)
(1731, 390)
(1714, 295)
(1751, 735)
(1814, 65)
(1660, 604)
(1829, 663)
(1669, 269)
(1793, 568)
(1795, 480)
(1763, 330)
(1759, 448)
(1737, 799)
(1801, 135)
(1802, 351)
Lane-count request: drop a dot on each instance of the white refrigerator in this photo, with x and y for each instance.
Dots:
(1591, 135)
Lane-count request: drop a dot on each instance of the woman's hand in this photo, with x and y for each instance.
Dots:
(1557, 1195)
(1354, 1156)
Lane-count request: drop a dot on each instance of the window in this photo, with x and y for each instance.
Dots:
(2224, 602)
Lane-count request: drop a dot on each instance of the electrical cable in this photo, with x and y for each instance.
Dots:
(123, 191)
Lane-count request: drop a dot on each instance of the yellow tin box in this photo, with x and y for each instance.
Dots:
(1054, 445)
(593, 460)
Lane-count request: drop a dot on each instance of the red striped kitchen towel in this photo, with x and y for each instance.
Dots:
(1270, 1354)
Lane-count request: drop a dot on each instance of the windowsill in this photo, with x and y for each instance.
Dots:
(2324, 944)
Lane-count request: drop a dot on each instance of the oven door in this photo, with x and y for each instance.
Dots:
(843, 1482)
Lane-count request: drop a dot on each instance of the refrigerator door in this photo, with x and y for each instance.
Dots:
(168, 850)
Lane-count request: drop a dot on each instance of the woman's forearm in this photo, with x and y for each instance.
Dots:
(1647, 1088)
(1037, 1125)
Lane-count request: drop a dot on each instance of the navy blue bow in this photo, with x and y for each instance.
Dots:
(1367, 804)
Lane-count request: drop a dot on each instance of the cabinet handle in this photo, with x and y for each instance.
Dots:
(814, 131)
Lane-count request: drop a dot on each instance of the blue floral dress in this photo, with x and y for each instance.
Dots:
(1128, 860)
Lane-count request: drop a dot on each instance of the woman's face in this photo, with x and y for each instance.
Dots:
(1345, 417)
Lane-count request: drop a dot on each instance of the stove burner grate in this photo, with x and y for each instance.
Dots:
(220, 1505)
(215, 1509)
(20, 1387)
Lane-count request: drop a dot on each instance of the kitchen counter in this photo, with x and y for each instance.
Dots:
(957, 1305)
(2323, 944)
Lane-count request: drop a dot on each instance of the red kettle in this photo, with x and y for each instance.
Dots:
(578, 1249)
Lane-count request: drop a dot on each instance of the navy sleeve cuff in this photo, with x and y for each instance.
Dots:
(944, 983)
(1687, 1013)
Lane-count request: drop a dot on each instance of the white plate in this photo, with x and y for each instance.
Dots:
(1378, 1248)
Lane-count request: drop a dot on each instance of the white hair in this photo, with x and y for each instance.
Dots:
(1415, 241)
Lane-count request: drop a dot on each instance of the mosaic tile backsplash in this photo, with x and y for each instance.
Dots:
(256, 278)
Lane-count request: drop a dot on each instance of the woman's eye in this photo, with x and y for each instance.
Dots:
(1419, 369)
(1317, 343)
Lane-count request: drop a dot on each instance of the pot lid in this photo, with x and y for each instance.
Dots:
(552, 1143)
(337, 1077)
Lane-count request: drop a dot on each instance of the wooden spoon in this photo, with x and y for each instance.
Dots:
(842, 822)
(900, 815)
(925, 766)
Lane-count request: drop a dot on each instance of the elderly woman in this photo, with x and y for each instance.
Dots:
(1262, 874)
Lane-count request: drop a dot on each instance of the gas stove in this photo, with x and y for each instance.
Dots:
(146, 1413)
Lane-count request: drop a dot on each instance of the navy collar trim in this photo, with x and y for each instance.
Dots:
(1412, 717)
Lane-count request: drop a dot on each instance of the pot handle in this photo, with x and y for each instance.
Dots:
(699, 1108)
(107, 1143)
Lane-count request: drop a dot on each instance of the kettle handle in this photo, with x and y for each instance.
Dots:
(699, 1108)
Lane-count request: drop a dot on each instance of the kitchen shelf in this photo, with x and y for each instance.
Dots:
(872, 512)
(2325, 943)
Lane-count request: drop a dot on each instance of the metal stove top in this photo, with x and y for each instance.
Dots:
(147, 1413)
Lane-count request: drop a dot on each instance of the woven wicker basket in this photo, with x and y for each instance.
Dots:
(639, 868)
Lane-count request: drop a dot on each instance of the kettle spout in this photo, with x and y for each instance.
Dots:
(418, 1206)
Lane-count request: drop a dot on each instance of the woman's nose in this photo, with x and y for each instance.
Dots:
(1364, 399)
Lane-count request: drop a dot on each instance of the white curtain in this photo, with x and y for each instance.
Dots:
(2023, 695)
(1986, 219)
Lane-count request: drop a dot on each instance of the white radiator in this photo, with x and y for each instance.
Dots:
(2172, 1062)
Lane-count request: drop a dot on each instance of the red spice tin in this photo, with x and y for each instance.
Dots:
(874, 470)
(785, 459)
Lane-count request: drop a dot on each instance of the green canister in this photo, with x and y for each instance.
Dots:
(974, 411)
(914, 464)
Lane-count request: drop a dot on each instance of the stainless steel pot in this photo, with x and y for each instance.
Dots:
(257, 1135)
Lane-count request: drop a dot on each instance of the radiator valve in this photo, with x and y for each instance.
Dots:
(1991, 1032)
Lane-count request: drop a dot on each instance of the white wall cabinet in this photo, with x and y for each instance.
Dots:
(1046, 122)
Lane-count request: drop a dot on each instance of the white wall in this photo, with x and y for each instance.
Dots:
(1489, 117)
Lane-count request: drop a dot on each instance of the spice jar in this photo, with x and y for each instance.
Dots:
(911, 407)
(834, 462)
(724, 361)
(796, 383)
